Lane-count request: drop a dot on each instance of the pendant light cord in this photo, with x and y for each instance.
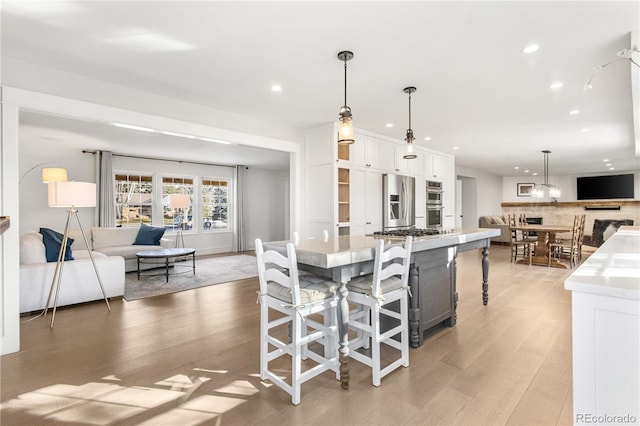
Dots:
(345, 82)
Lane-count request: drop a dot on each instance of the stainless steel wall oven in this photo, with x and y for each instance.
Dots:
(434, 203)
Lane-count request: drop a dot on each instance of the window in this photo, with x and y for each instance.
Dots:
(215, 204)
(177, 203)
(134, 200)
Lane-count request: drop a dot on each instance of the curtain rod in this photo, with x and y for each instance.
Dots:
(87, 151)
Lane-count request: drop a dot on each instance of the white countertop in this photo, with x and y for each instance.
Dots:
(613, 269)
(347, 250)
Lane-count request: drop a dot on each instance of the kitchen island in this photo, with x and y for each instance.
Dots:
(605, 306)
(432, 276)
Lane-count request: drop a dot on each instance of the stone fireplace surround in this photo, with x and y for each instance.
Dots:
(563, 212)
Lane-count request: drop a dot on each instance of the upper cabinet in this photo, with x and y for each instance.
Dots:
(365, 152)
(437, 167)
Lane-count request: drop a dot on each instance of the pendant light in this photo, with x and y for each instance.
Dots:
(538, 190)
(409, 154)
(345, 128)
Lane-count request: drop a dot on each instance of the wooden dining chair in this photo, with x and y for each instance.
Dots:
(569, 248)
(372, 295)
(517, 241)
(295, 298)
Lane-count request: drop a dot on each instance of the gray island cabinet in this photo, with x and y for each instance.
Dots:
(432, 275)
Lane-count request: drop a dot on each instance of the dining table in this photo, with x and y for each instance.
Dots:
(344, 257)
(546, 234)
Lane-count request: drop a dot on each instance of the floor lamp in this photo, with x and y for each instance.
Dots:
(70, 195)
(180, 201)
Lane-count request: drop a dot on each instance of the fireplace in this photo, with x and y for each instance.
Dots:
(534, 221)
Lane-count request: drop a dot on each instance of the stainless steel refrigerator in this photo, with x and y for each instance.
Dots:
(398, 198)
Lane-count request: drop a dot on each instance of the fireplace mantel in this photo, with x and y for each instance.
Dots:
(595, 203)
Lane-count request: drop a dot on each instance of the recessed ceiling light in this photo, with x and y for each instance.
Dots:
(605, 160)
(584, 130)
(556, 85)
(535, 174)
(574, 112)
(531, 48)
(612, 168)
(517, 167)
(427, 138)
(455, 148)
(389, 125)
(526, 171)
(608, 164)
(276, 88)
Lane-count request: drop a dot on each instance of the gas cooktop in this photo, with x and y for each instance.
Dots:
(415, 232)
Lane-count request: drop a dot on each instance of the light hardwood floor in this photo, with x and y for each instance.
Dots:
(192, 358)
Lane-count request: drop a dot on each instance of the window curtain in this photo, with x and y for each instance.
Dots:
(241, 181)
(106, 209)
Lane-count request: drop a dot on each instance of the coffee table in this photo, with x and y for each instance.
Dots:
(161, 257)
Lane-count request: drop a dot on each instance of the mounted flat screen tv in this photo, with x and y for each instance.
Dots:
(605, 187)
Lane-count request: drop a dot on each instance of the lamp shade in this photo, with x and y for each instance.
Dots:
(72, 194)
(179, 201)
(54, 174)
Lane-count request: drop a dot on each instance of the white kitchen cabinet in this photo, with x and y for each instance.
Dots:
(343, 184)
(448, 179)
(605, 306)
(387, 157)
(365, 151)
(366, 201)
(416, 166)
(432, 166)
(401, 164)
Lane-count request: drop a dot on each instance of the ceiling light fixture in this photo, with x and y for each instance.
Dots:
(276, 88)
(531, 48)
(345, 128)
(624, 54)
(538, 189)
(409, 154)
(388, 125)
(427, 138)
(555, 86)
(574, 112)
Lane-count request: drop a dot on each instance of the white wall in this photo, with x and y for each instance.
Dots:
(567, 186)
(489, 191)
(266, 205)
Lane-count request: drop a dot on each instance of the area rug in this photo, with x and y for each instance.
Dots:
(209, 271)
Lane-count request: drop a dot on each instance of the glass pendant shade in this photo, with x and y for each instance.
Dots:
(409, 154)
(345, 130)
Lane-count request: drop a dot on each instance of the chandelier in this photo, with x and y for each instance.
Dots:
(624, 54)
(539, 189)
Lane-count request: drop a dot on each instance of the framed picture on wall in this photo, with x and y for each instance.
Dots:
(525, 189)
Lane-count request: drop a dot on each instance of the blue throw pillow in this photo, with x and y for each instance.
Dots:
(53, 242)
(148, 236)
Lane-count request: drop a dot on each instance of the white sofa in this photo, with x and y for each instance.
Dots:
(113, 253)
(116, 242)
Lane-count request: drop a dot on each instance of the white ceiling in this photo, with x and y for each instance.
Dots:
(476, 90)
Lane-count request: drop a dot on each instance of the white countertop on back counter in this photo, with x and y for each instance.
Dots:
(613, 269)
(352, 249)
